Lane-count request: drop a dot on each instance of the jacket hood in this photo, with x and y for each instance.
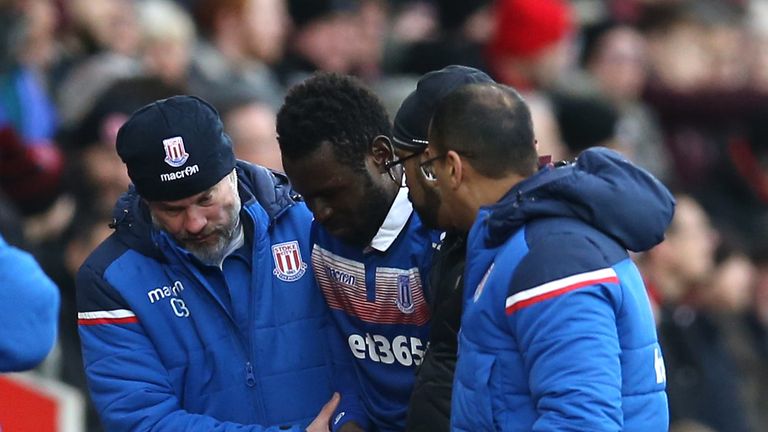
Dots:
(270, 189)
(601, 188)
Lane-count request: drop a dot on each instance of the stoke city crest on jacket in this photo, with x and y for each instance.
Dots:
(289, 266)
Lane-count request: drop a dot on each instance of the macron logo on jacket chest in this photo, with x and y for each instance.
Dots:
(173, 291)
(160, 293)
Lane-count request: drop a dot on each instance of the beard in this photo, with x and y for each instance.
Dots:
(223, 235)
(212, 251)
(428, 210)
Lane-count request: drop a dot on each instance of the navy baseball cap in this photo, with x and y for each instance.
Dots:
(175, 148)
(412, 119)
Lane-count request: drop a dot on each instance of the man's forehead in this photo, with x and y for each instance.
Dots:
(323, 154)
(315, 173)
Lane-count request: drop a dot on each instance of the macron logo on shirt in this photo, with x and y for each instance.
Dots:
(558, 287)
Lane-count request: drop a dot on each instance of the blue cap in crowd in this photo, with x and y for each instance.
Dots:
(175, 148)
(412, 119)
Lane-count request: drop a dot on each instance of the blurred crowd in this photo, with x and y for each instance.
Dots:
(680, 87)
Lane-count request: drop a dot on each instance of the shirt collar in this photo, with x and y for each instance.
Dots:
(234, 244)
(393, 224)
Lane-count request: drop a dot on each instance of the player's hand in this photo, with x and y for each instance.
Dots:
(322, 423)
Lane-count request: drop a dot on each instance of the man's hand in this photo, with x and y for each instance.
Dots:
(322, 423)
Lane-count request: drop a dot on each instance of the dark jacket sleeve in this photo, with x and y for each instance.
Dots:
(429, 408)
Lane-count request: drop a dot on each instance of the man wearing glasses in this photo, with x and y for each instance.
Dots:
(557, 331)
(371, 253)
(430, 404)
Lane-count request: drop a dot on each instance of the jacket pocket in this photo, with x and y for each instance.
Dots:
(471, 402)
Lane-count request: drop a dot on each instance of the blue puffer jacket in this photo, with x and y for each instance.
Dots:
(165, 350)
(557, 331)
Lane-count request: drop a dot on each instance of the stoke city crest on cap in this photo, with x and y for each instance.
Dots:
(175, 153)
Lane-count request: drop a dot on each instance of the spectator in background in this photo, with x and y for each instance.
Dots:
(556, 317)
(242, 41)
(530, 45)
(585, 122)
(38, 48)
(25, 104)
(701, 105)
(546, 128)
(168, 36)
(757, 21)
(29, 308)
(684, 260)
(460, 32)
(370, 26)
(736, 194)
(103, 45)
(251, 125)
(614, 55)
(730, 293)
(30, 176)
(107, 25)
(31, 164)
(530, 50)
(757, 324)
(321, 38)
(615, 65)
(702, 384)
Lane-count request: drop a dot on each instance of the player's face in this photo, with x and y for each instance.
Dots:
(204, 224)
(350, 204)
(424, 196)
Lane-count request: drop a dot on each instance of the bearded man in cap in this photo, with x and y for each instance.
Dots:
(199, 312)
(430, 404)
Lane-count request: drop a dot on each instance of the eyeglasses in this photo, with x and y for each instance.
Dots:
(427, 166)
(427, 169)
(394, 174)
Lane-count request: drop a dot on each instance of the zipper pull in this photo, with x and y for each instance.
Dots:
(250, 378)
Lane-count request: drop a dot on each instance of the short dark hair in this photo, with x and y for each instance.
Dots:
(491, 125)
(332, 108)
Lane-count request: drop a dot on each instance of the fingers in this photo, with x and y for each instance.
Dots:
(322, 422)
(331, 405)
